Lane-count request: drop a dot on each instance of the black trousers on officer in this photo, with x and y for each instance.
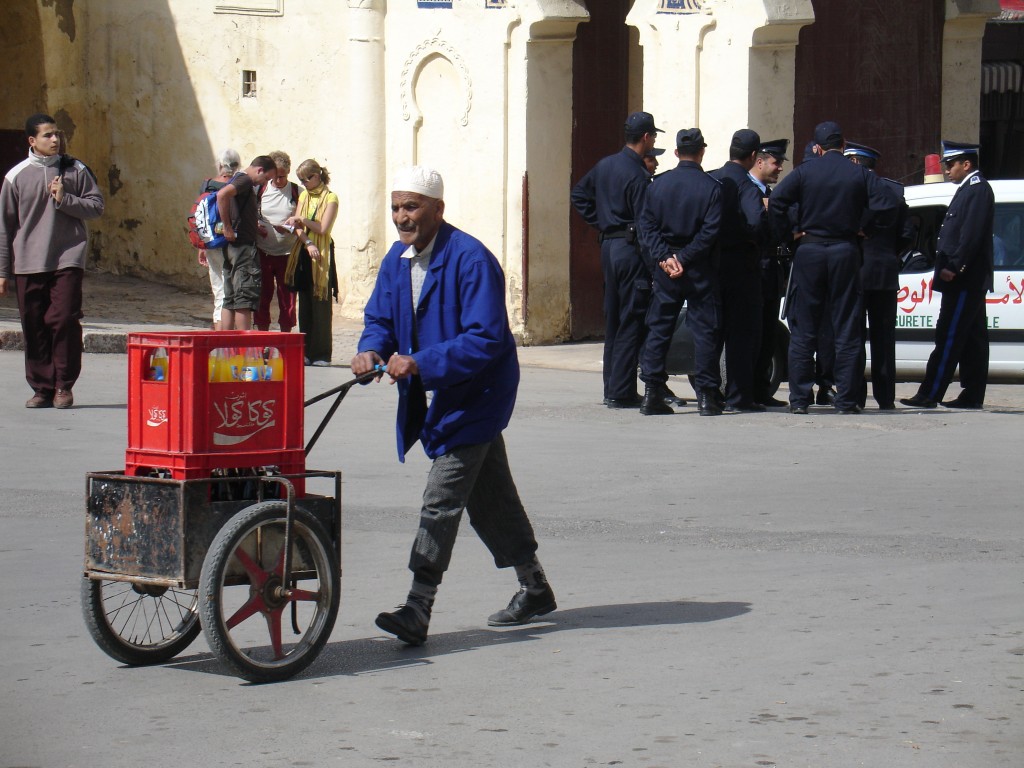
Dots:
(826, 278)
(698, 288)
(740, 332)
(626, 296)
(961, 338)
(880, 311)
(771, 301)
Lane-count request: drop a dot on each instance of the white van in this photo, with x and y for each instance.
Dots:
(918, 306)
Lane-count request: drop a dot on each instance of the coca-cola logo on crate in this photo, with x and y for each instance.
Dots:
(241, 418)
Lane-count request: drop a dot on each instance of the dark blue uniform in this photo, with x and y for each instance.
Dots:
(610, 198)
(832, 196)
(743, 223)
(961, 333)
(880, 282)
(683, 217)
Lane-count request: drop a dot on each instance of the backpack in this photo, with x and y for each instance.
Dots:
(204, 217)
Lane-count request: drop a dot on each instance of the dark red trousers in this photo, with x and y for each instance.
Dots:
(273, 268)
(51, 310)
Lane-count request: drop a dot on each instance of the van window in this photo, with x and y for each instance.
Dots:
(1007, 242)
(924, 222)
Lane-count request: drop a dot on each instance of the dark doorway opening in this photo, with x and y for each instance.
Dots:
(13, 148)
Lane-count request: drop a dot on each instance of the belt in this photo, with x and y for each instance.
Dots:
(825, 240)
(616, 235)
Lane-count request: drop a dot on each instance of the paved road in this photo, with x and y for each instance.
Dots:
(742, 591)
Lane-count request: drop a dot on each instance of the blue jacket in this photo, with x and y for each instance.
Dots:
(460, 340)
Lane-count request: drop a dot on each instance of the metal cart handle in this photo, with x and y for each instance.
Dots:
(341, 390)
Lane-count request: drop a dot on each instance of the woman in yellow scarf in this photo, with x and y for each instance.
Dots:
(313, 220)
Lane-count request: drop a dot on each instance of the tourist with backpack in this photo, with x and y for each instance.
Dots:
(237, 209)
(228, 164)
(277, 201)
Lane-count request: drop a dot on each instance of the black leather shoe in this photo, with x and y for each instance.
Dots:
(625, 402)
(826, 396)
(958, 403)
(745, 408)
(918, 402)
(671, 397)
(771, 402)
(654, 403)
(406, 623)
(798, 409)
(850, 410)
(708, 403)
(522, 607)
(887, 406)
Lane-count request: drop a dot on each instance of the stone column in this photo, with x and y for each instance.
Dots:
(359, 254)
(961, 66)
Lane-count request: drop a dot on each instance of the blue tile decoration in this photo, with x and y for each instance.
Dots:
(680, 6)
(495, 4)
(433, 3)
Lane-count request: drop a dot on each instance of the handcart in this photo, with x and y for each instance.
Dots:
(199, 534)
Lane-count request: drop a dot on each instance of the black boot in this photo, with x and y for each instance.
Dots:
(671, 397)
(654, 402)
(709, 402)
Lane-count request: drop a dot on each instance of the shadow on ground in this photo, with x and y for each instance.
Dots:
(379, 654)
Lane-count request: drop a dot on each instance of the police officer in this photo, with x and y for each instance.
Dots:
(679, 228)
(832, 199)
(651, 161)
(879, 282)
(743, 221)
(610, 197)
(963, 275)
(765, 172)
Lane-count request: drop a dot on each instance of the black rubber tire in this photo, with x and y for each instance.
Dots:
(246, 648)
(138, 624)
(778, 366)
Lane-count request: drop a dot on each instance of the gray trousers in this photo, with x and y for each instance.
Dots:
(475, 478)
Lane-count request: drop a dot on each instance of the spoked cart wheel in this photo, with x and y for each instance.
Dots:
(261, 627)
(140, 624)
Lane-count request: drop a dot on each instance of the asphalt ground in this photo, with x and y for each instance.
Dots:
(747, 590)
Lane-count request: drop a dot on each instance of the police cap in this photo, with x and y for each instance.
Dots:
(641, 122)
(828, 134)
(690, 140)
(954, 149)
(776, 148)
(860, 150)
(745, 140)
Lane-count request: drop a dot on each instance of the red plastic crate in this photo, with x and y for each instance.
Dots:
(184, 422)
(192, 466)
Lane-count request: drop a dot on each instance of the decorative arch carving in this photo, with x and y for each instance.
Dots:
(414, 64)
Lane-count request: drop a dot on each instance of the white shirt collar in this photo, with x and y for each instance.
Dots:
(412, 253)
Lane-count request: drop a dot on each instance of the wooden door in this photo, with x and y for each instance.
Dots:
(600, 95)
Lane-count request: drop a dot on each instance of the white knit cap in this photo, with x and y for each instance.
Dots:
(419, 179)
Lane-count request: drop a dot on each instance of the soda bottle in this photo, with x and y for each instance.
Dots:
(158, 365)
(252, 364)
(236, 361)
(214, 360)
(276, 364)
